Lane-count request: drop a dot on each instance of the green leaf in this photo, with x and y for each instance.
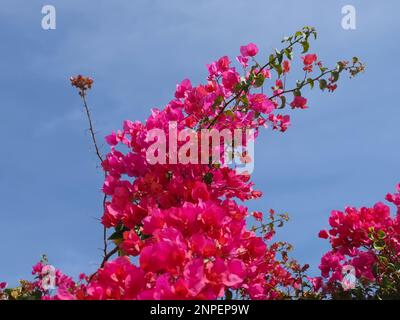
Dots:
(383, 259)
(323, 69)
(208, 178)
(340, 66)
(381, 234)
(298, 34)
(310, 82)
(118, 233)
(169, 175)
(278, 69)
(115, 236)
(306, 46)
(322, 84)
(259, 80)
(272, 59)
(121, 228)
(315, 35)
(335, 75)
(218, 101)
(392, 267)
(244, 100)
(283, 101)
(379, 245)
(237, 87)
(279, 55)
(229, 113)
(228, 294)
(371, 236)
(289, 53)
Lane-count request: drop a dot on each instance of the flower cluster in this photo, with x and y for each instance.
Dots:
(3, 285)
(82, 83)
(182, 222)
(367, 239)
(47, 279)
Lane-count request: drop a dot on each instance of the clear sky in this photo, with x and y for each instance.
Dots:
(344, 150)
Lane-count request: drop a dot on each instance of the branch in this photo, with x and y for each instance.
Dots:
(82, 93)
(105, 259)
(246, 89)
(92, 133)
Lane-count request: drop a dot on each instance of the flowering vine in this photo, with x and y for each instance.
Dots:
(178, 230)
(368, 239)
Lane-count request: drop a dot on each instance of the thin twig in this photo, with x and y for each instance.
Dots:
(237, 95)
(105, 259)
(82, 93)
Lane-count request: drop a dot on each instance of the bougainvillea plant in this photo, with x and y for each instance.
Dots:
(368, 239)
(180, 231)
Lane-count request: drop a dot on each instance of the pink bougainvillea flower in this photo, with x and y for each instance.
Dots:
(309, 59)
(249, 50)
(181, 88)
(279, 122)
(317, 283)
(230, 78)
(260, 103)
(112, 139)
(363, 239)
(286, 66)
(244, 61)
(131, 243)
(257, 215)
(323, 234)
(200, 191)
(185, 224)
(223, 64)
(299, 102)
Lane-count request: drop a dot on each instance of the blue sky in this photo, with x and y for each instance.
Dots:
(342, 151)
